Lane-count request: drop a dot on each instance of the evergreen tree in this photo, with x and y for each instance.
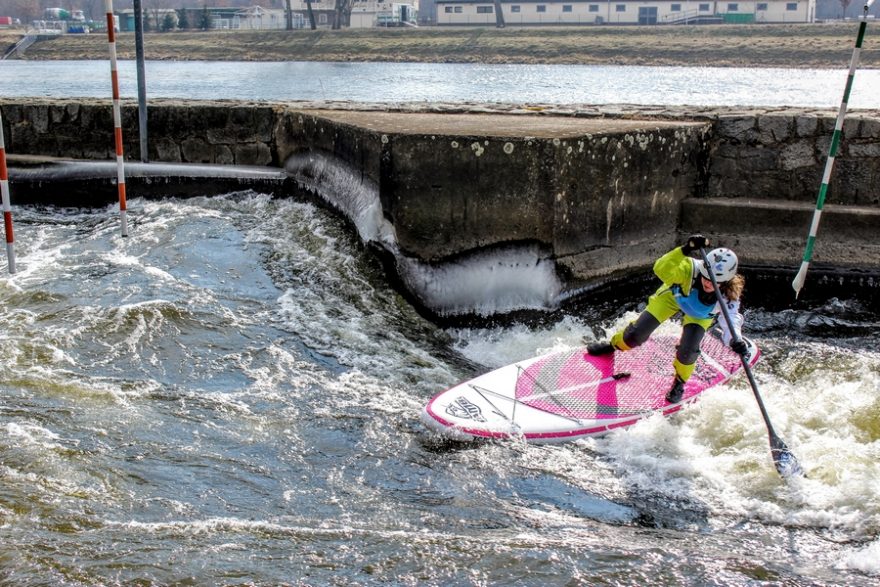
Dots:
(182, 19)
(205, 19)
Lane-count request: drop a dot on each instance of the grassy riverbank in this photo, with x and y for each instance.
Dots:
(817, 45)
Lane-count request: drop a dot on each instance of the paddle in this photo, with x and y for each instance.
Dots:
(785, 461)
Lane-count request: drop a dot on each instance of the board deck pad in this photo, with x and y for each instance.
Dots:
(570, 394)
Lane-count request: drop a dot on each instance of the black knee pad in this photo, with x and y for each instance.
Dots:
(688, 348)
(638, 332)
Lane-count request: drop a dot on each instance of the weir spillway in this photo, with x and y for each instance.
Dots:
(546, 200)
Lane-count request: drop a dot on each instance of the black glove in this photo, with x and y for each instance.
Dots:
(739, 346)
(694, 242)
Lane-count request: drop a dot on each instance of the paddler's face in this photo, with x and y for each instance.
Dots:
(707, 284)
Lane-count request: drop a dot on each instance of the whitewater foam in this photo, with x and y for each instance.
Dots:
(511, 278)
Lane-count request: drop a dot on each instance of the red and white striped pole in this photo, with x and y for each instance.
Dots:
(117, 116)
(7, 209)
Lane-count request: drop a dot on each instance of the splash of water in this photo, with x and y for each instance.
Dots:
(482, 282)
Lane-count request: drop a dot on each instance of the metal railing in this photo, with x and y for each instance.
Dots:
(684, 17)
(22, 44)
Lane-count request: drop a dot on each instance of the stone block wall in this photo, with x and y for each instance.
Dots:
(192, 132)
(781, 155)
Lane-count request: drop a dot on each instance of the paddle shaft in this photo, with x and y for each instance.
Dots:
(742, 357)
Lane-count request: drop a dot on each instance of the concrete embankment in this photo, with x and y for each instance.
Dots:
(594, 193)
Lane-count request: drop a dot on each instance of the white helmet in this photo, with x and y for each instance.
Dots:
(724, 264)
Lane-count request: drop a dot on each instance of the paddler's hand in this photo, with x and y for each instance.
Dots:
(739, 346)
(694, 242)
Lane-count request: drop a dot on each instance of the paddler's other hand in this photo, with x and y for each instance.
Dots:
(739, 346)
(694, 242)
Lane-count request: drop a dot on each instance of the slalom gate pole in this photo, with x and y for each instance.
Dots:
(7, 209)
(117, 117)
(801, 276)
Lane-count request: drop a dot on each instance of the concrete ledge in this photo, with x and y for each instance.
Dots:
(499, 124)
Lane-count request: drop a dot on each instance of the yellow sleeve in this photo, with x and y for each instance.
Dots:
(675, 267)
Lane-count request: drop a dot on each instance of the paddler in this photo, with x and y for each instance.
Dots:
(688, 289)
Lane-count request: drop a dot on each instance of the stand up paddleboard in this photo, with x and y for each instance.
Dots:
(570, 394)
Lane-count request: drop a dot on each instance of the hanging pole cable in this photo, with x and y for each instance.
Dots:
(7, 208)
(801, 276)
(117, 117)
(141, 79)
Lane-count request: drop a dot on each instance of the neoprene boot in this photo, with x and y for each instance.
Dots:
(600, 348)
(673, 396)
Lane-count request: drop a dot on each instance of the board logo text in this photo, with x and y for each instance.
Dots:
(465, 409)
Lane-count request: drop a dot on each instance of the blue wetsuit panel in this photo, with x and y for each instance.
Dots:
(691, 304)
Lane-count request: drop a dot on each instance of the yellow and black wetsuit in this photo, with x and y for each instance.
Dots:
(680, 292)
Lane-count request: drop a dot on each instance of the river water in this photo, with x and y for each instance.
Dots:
(230, 396)
(448, 82)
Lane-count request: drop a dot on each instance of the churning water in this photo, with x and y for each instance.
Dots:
(230, 396)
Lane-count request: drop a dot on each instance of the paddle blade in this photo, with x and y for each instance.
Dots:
(785, 461)
(799, 279)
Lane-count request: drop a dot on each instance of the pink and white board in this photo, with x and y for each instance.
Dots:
(568, 395)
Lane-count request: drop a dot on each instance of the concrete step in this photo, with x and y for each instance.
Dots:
(774, 232)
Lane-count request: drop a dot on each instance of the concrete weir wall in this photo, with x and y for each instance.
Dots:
(599, 191)
(600, 196)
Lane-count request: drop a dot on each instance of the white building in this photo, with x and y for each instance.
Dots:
(645, 12)
(257, 18)
(364, 14)
(372, 13)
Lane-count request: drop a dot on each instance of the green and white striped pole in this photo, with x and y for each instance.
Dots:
(798, 282)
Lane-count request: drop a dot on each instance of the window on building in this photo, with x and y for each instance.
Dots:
(484, 9)
(322, 19)
(542, 8)
(447, 9)
(791, 6)
(514, 8)
(732, 7)
(594, 8)
(675, 8)
(566, 8)
(459, 10)
(704, 8)
(762, 6)
(620, 7)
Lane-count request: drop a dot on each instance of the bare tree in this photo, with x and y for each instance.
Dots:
(92, 9)
(26, 10)
(499, 16)
(160, 9)
(342, 13)
(311, 15)
(845, 4)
